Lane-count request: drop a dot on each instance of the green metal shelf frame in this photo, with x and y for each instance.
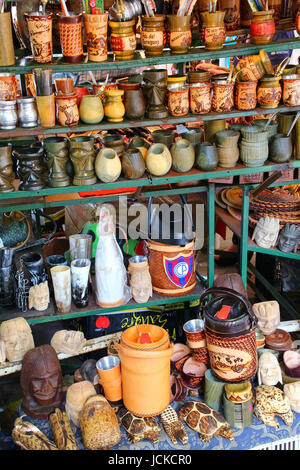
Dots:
(241, 229)
(194, 54)
(104, 125)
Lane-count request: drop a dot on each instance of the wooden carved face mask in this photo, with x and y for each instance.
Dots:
(266, 232)
(17, 337)
(41, 382)
(268, 314)
(269, 372)
(39, 297)
(292, 392)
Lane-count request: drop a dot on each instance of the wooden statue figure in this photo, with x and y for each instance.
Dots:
(266, 232)
(292, 393)
(41, 382)
(39, 297)
(269, 372)
(68, 342)
(268, 315)
(289, 238)
(17, 337)
(140, 279)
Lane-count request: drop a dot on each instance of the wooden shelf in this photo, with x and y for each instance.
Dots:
(25, 65)
(105, 125)
(49, 315)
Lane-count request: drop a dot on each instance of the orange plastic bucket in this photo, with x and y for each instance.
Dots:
(145, 380)
(158, 336)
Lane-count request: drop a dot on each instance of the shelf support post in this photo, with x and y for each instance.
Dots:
(211, 233)
(244, 235)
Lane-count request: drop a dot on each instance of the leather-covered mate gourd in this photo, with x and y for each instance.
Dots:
(230, 334)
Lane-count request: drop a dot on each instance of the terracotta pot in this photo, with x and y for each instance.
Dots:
(245, 95)
(276, 6)
(141, 144)
(232, 13)
(80, 92)
(153, 34)
(82, 155)
(133, 99)
(46, 110)
(123, 40)
(213, 30)
(280, 148)
(200, 102)
(133, 164)
(31, 169)
(183, 155)
(70, 33)
(115, 142)
(223, 99)
(108, 86)
(64, 86)
(67, 110)
(207, 156)
(8, 87)
(56, 157)
(199, 76)
(291, 90)
(269, 92)
(7, 175)
(158, 160)
(154, 89)
(262, 27)
(40, 35)
(145, 374)
(178, 100)
(107, 165)
(96, 36)
(114, 108)
(180, 34)
(7, 52)
(254, 67)
(91, 109)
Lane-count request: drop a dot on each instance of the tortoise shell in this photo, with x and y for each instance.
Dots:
(139, 428)
(204, 420)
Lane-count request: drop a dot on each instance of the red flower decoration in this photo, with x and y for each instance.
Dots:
(102, 322)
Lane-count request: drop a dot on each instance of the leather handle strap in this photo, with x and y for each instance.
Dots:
(234, 294)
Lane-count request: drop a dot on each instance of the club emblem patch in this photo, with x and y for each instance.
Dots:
(179, 269)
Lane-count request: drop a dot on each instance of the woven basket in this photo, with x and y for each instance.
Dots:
(167, 266)
(276, 202)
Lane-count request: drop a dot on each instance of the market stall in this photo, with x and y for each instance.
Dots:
(127, 104)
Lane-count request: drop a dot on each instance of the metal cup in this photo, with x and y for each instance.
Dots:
(195, 335)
